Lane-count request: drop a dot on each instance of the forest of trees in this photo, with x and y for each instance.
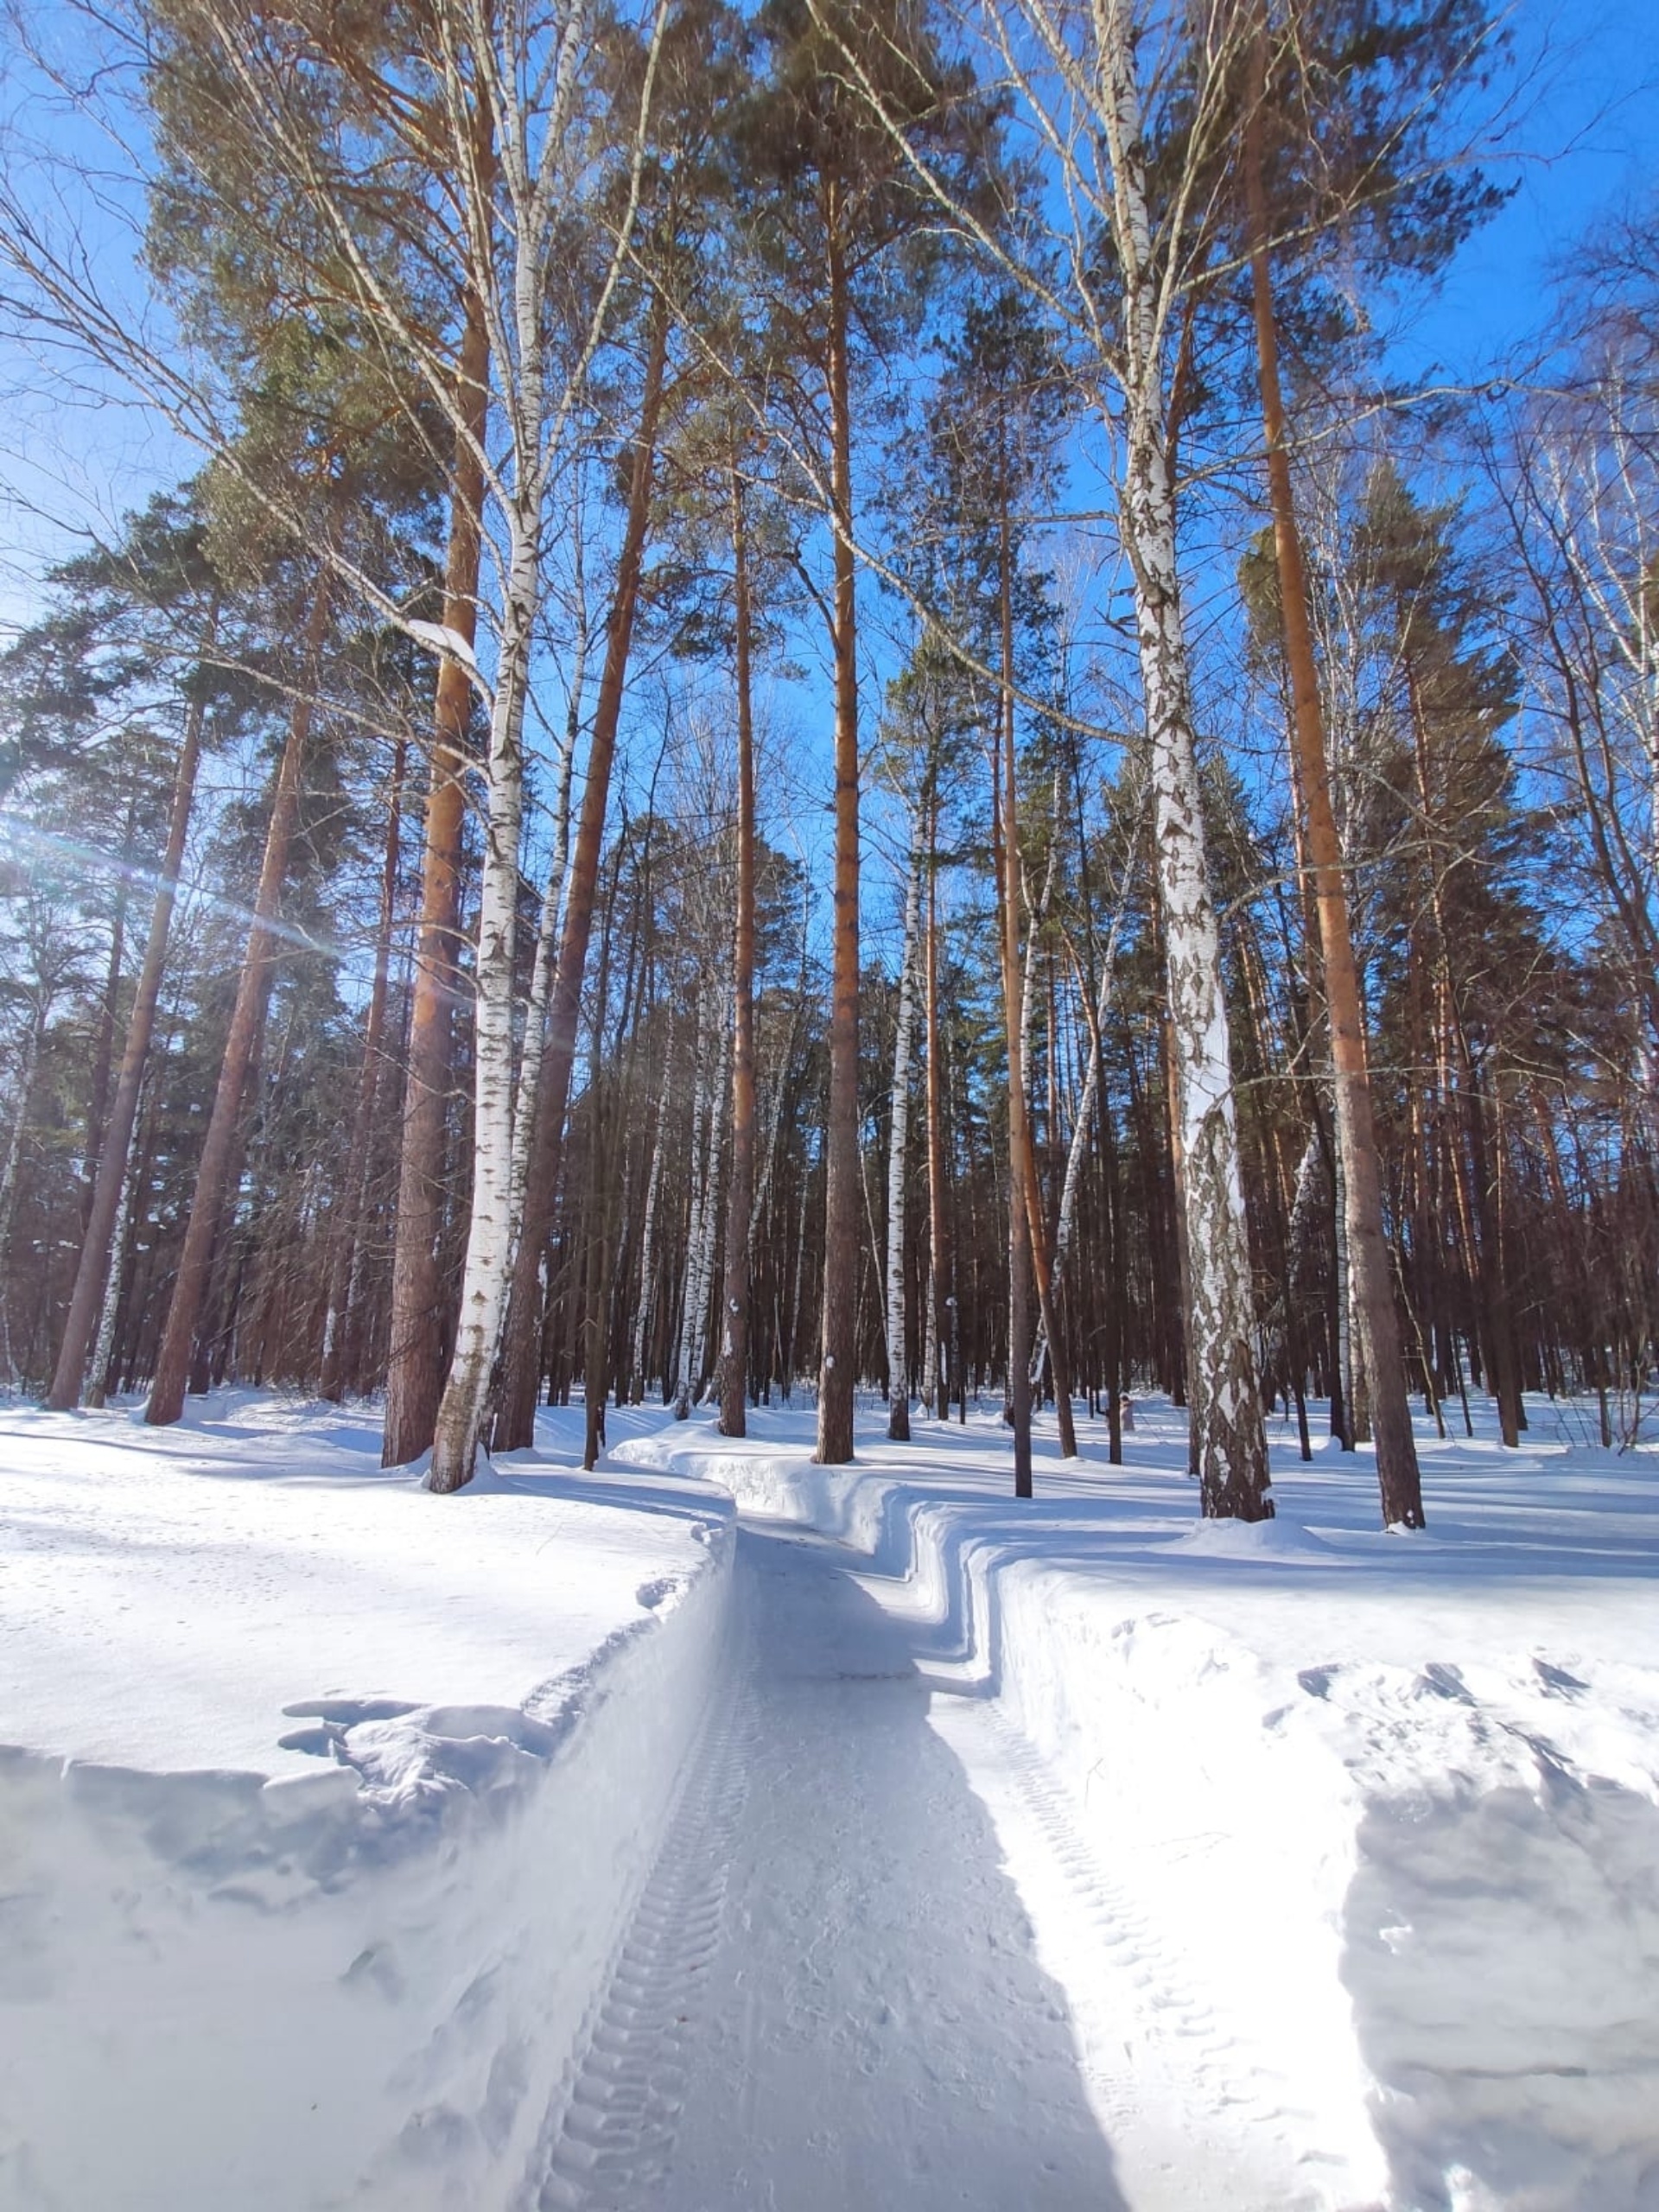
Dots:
(816, 716)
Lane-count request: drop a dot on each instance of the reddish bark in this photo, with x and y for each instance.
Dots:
(247, 1018)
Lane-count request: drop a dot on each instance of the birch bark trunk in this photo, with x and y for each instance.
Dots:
(529, 69)
(647, 1263)
(492, 1222)
(97, 1369)
(1229, 1439)
(701, 1107)
(515, 1416)
(419, 1301)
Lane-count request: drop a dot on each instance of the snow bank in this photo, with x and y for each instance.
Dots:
(326, 1805)
(1383, 1813)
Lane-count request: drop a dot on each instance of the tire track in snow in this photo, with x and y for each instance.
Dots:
(1146, 2039)
(624, 2110)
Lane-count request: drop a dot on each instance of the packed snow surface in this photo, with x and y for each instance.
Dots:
(1340, 1849)
(911, 1847)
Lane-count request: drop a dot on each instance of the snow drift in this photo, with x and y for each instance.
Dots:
(353, 1970)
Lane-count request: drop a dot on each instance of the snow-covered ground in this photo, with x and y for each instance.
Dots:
(911, 1847)
(1343, 1848)
(327, 1805)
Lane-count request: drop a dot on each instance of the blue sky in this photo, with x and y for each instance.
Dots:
(1586, 138)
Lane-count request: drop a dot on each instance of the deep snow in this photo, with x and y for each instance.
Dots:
(925, 1848)
(328, 1804)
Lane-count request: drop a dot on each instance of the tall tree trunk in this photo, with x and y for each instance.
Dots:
(1230, 1438)
(1004, 861)
(938, 1232)
(532, 1060)
(97, 1370)
(899, 1131)
(515, 1415)
(104, 1051)
(342, 1328)
(708, 1137)
(1379, 1360)
(492, 1220)
(647, 1258)
(420, 1302)
(1096, 1009)
(92, 1271)
(842, 1180)
(27, 1061)
(596, 1318)
(247, 1019)
(734, 1295)
(1049, 1343)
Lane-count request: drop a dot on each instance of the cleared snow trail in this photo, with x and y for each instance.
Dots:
(831, 1996)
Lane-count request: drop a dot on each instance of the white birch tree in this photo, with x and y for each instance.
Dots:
(1077, 74)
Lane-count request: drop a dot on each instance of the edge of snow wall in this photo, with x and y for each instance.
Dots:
(369, 1988)
(1442, 1986)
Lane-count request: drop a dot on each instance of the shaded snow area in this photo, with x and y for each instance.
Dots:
(1071, 1854)
(327, 1802)
(891, 1845)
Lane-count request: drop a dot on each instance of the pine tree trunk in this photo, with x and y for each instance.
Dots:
(899, 1131)
(843, 1180)
(341, 1331)
(1005, 865)
(420, 1301)
(247, 1018)
(1379, 1359)
(943, 1303)
(92, 1269)
(739, 1200)
(596, 1318)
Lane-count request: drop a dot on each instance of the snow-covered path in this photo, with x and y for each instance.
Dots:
(640, 1851)
(829, 1997)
